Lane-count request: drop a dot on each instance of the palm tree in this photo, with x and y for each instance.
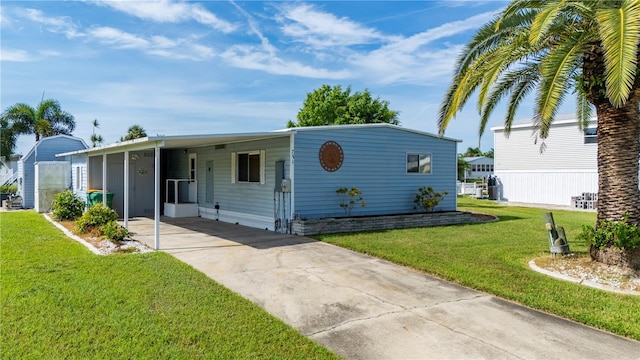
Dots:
(47, 119)
(134, 132)
(551, 47)
(96, 138)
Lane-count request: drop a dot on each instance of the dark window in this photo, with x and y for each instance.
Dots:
(590, 136)
(418, 163)
(248, 167)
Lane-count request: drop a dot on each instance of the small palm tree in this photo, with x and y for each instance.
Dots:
(95, 138)
(134, 132)
(551, 47)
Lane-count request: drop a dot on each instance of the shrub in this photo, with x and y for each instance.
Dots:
(114, 231)
(8, 189)
(350, 197)
(67, 206)
(620, 234)
(427, 198)
(94, 218)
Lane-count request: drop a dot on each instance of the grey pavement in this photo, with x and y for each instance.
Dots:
(361, 307)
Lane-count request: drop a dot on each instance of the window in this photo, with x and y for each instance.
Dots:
(249, 167)
(418, 163)
(590, 136)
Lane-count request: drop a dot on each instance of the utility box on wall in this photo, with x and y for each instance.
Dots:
(51, 177)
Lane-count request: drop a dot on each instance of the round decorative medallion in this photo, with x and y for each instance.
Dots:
(331, 156)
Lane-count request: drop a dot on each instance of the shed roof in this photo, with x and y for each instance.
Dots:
(50, 138)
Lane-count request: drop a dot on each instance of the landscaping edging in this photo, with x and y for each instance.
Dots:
(382, 222)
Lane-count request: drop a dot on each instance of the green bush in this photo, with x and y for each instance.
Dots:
(8, 189)
(114, 231)
(67, 206)
(94, 218)
(427, 198)
(350, 197)
(620, 234)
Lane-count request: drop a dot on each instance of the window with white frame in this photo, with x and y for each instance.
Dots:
(418, 163)
(248, 167)
(590, 136)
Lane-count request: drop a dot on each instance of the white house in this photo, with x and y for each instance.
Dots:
(479, 167)
(551, 171)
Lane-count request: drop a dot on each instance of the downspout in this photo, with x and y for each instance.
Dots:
(292, 208)
(126, 189)
(156, 197)
(104, 179)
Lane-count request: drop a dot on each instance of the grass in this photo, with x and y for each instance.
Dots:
(58, 300)
(493, 258)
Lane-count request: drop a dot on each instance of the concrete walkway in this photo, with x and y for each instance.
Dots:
(365, 308)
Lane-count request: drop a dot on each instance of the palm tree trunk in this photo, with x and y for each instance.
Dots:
(618, 156)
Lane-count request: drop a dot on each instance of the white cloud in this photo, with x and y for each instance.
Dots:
(58, 25)
(413, 59)
(118, 38)
(15, 55)
(165, 11)
(248, 57)
(321, 30)
(154, 45)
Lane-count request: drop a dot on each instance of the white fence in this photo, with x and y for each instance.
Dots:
(466, 188)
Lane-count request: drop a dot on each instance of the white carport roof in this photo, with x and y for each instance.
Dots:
(179, 141)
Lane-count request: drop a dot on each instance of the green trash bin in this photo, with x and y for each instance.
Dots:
(95, 197)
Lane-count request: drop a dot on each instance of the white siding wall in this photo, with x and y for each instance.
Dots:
(531, 172)
(545, 187)
(564, 149)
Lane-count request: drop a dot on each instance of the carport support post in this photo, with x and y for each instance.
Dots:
(126, 188)
(156, 198)
(104, 179)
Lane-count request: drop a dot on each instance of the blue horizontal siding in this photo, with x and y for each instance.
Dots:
(375, 163)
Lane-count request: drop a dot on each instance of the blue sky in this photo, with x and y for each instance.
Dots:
(177, 67)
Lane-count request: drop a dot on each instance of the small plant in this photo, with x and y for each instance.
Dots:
(94, 218)
(8, 189)
(350, 197)
(115, 232)
(67, 206)
(620, 234)
(427, 198)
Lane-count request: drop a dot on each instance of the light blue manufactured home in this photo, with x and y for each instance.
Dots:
(266, 179)
(44, 150)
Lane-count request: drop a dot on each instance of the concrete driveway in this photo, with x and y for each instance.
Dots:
(365, 308)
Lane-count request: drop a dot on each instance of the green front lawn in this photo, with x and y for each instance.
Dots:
(58, 300)
(493, 257)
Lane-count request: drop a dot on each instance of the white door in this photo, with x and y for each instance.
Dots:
(193, 183)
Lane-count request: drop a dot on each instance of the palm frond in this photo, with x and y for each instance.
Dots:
(557, 68)
(544, 20)
(620, 33)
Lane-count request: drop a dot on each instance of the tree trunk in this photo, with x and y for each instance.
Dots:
(618, 155)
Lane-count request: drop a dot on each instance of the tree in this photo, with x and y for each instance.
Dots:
(552, 47)
(96, 139)
(7, 139)
(463, 167)
(134, 132)
(47, 119)
(333, 106)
